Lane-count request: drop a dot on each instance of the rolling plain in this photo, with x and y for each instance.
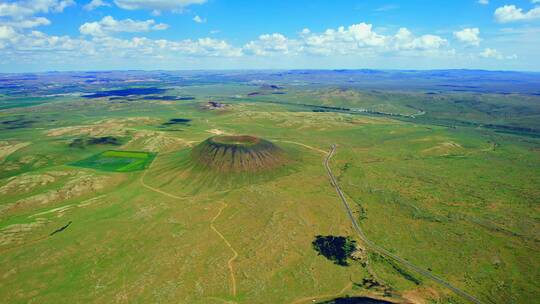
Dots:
(210, 187)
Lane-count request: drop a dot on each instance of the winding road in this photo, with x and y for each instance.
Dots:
(355, 225)
(383, 251)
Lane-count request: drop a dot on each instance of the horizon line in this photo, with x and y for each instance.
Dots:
(263, 70)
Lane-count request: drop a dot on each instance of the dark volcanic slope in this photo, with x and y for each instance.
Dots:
(238, 154)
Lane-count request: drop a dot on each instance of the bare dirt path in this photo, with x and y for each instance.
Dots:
(141, 180)
(235, 254)
(383, 251)
(303, 145)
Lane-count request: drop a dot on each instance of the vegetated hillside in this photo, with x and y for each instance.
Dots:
(508, 113)
(238, 154)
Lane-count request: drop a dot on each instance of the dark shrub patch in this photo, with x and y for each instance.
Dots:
(271, 87)
(335, 248)
(16, 123)
(106, 140)
(168, 98)
(126, 92)
(355, 300)
(78, 143)
(60, 229)
(83, 142)
(177, 121)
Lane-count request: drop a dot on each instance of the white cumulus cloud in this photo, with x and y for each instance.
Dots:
(6, 32)
(29, 22)
(495, 54)
(19, 15)
(108, 25)
(354, 39)
(511, 13)
(198, 19)
(360, 42)
(342, 40)
(92, 5)
(157, 5)
(483, 2)
(21, 9)
(405, 40)
(39, 46)
(271, 44)
(491, 53)
(470, 36)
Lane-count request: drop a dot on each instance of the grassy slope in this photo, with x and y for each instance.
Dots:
(514, 110)
(470, 215)
(463, 212)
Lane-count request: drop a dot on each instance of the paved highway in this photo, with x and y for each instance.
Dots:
(383, 251)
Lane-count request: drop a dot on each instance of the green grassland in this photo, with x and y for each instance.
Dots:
(438, 108)
(117, 161)
(459, 201)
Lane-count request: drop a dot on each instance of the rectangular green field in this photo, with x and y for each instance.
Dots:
(118, 161)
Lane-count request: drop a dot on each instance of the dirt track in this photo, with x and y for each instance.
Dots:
(235, 254)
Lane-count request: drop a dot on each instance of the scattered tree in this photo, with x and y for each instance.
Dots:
(335, 248)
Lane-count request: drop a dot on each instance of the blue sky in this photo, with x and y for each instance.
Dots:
(41, 35)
